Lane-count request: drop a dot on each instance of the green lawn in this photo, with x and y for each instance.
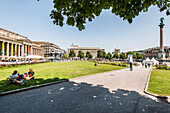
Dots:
(49, 72)
(160, 82)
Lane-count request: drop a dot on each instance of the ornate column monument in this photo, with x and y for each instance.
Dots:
(161, 54)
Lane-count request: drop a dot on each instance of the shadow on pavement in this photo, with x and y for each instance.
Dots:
(72, 97)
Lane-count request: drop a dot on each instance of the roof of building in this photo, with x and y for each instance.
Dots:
(85, 48)
(14, 33)
(165, 47)
(39, 42)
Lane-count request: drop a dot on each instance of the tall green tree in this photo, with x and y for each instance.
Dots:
(104, 54)
(72, 54)
(134, 56)
(123, 55)
(78, 12)
(80, 54)
(143, 56)
(109, 56)
(65, 56)
(89, 55)
(116, 55)
(99, 54)
(138, 55)
(130, 53)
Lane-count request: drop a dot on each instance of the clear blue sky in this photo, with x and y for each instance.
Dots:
(31, 19)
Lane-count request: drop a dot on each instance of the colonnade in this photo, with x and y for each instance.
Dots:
(10, 49)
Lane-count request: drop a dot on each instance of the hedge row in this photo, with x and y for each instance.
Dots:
(123, 65)
(163, 67)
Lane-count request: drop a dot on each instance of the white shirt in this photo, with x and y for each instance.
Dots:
(11, 76)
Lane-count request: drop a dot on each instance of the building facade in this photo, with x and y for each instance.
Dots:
(153, 52)
(15, 45)
(117, 50)
(92, 50)
(49, 48)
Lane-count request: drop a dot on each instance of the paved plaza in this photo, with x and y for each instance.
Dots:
(119, 91)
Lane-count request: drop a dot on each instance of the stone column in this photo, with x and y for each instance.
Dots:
(3, 49)
(16, 49)
(161, 40)
(161, 35)
(22, 50)
(36, 51)
(7, 50)
(26, 50)
(12, 50)
(30, 50)
(161, 53)
(19, 50)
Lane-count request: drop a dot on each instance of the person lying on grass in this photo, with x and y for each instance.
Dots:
(13, 78)
(31, 74)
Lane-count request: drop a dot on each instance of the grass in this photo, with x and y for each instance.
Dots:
(53, 71)
(160, 82)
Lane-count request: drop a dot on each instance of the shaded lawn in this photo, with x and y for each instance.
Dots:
(160, 82)
(53, 71)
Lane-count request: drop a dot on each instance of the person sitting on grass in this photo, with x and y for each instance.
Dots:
(24, 76)
(31, 74)
(13, 78)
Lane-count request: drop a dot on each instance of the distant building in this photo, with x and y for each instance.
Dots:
(18, 46)
(57, 54)
(117, 50)
(153, 52)
(92, 50)
(48, 47)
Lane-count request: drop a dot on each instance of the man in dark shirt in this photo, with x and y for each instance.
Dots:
(31, 74)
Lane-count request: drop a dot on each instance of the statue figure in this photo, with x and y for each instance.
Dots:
(162, 21)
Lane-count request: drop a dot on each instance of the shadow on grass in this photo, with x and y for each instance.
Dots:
(6, 86)
(72, 97)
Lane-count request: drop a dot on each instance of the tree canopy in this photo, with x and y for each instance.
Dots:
(78, 12)
(72, 54)
(123, 55)
(80, 54)
(101, 54)
(89, 55)
(116, 55)
(109, 56)
(65, 56)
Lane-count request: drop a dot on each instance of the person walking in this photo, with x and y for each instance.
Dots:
(131, 67)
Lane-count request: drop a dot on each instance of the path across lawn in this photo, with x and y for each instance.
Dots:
(53, 71)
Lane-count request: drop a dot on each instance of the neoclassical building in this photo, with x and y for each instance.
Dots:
(15, 45)
(49, 47)
(92, 50)
(153, 52)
